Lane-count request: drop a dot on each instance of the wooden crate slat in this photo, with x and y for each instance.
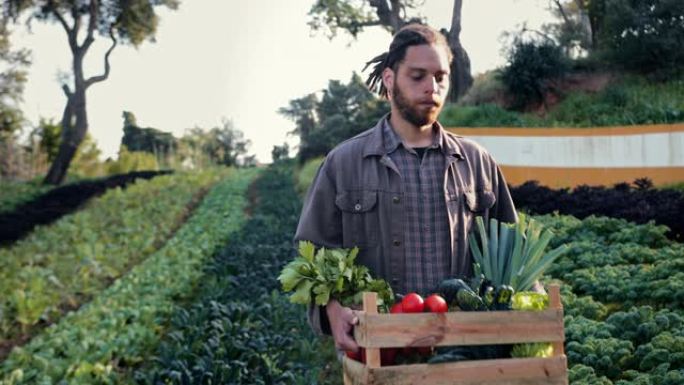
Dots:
(355, 373)
(459, 328)
(514, 371)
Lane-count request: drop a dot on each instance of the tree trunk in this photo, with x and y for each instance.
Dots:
(389, 14)
(74, 128)
(461, 79)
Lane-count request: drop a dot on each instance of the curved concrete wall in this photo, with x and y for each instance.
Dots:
(596, 156)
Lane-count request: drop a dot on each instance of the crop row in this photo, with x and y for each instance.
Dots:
(60, 201)
(640, 204)
(614, 268)
(240, 328)
(13, 194)
(639, 346)
(121, 325)
(619, 263)
(59, 266)
(623, 296)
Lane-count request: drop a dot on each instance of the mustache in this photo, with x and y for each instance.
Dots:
(436, 102)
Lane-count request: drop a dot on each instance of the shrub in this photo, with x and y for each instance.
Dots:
(132, 161)
(532, 68)
(486, 88)
(640, 204)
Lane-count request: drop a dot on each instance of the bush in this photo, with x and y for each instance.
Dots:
(532, 68)
(640, 204)
(486, 88)
(132, 161)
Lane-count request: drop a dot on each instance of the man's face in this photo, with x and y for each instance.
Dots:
(420, 84)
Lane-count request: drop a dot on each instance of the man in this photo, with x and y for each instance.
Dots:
(406, 192)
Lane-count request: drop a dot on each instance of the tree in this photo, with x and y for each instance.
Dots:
(159, 143)
(128, 21)
(644, 35)
(279, 153)
(342, 111)
(226, 145)
(354, 16)
(13, 66)
(573, 33)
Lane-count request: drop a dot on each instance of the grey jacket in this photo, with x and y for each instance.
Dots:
(356, 199)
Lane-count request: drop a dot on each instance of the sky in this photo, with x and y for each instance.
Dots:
(239, 60)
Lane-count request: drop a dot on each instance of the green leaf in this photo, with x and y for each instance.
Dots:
(494, 250)
(289, 278)
(306, 250)
(322, 294)
(302, 294)
(485, 247)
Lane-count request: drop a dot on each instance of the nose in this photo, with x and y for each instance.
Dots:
(432, 86)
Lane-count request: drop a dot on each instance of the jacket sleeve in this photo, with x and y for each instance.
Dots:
(504, 209)
(320, 223)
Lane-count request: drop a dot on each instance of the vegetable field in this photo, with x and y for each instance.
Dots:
(174, 281)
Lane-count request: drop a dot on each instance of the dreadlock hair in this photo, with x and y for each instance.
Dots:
(409, 35)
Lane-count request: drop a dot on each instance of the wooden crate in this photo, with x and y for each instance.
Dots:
(376, 331)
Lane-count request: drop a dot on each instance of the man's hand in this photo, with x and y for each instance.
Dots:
(342, 319)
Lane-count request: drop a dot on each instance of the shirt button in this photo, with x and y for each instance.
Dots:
(395, 200)
(357, 207)
(396, 242)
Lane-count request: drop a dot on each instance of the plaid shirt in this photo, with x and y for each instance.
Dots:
(427, 240)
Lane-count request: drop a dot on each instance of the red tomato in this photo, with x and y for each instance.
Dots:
(359, 355)
(396, 308)
(436, 304)
(412, 303)
(354, 355)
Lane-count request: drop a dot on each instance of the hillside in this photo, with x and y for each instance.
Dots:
(580, 99)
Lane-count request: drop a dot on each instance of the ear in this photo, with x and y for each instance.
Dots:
(388, 79)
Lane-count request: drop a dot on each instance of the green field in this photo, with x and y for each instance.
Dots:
(197, 300)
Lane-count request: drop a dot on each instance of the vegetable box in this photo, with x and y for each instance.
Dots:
(376, 331)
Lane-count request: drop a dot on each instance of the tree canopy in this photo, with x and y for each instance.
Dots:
(342, 111)
(122, 21)
(353, 16)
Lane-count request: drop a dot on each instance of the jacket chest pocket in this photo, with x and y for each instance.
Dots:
(359, 217)
(479, 201)
(464, 206)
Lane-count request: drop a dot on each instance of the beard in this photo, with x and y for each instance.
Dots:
(417, 114)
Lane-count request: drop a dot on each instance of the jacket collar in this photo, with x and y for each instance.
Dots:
(375, 146)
